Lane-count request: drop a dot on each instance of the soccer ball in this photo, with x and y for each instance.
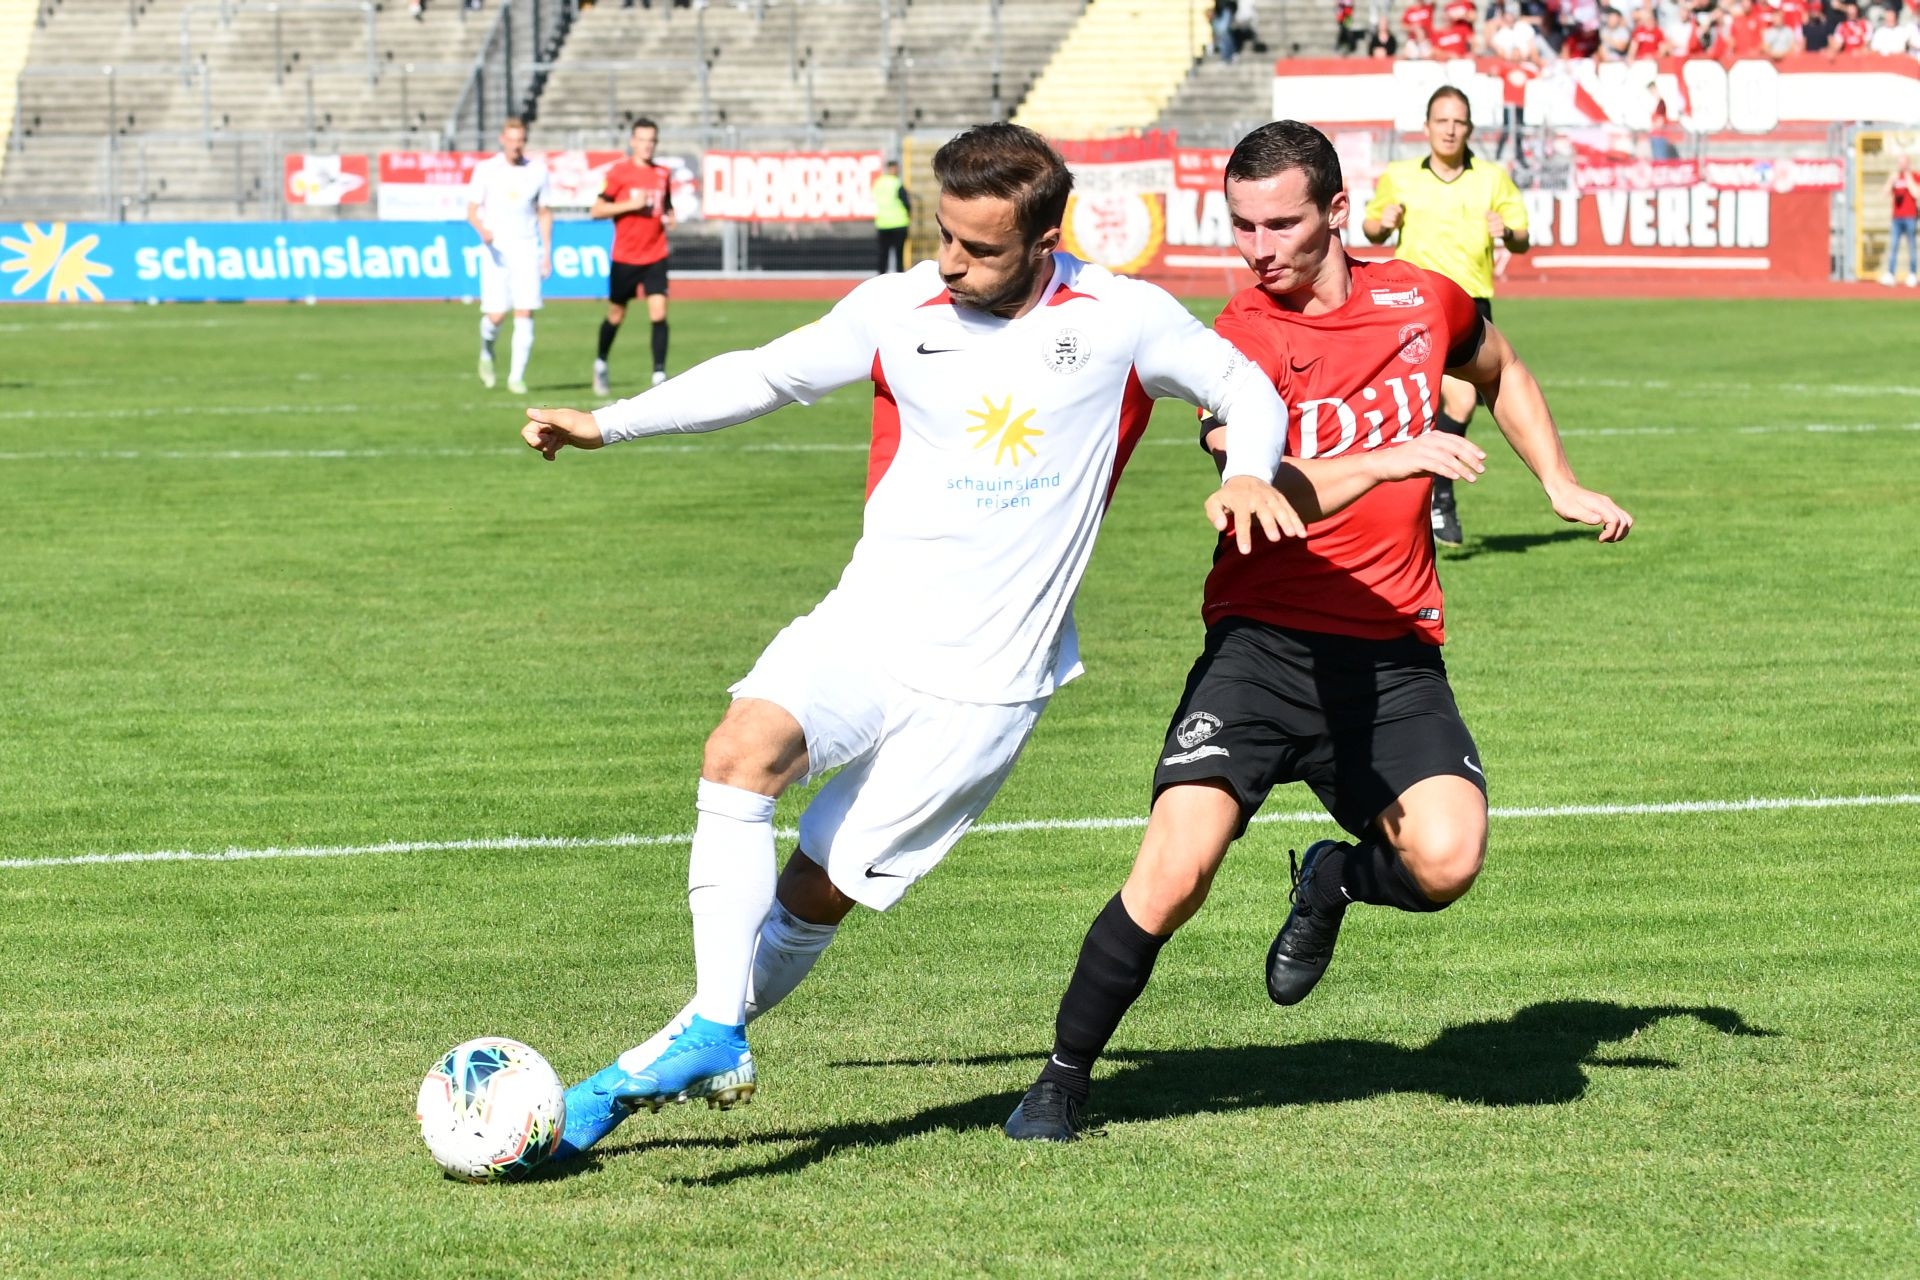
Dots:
(491, 1110)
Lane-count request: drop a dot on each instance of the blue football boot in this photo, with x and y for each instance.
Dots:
(706, 1060)
(595, 1108)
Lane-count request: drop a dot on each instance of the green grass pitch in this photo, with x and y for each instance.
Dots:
(284, 577)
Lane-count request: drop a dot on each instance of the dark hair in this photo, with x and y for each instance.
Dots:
(1009, 162)
(1449, 91)
(642, 122)
(1274, 148)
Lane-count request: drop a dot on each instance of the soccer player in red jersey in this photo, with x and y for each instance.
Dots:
(1322, 657)
(638, 196)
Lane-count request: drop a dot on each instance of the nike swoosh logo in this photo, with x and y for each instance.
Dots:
(883, 875)
(1301, 366)
(926, 350)
(1468, 761)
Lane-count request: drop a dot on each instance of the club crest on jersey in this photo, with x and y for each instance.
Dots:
(1196, 729)
(1068, 352)
(1416, 344)
(1397, 297)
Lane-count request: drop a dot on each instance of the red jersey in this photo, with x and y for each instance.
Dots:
(1418, 17)
(1851, 35)
(639, 238)
(1365, 375)
(1514, 79)
(1455, 42)
(1748, 33)
(1644, 43)
(1461, 11)
(1904, 203)
(1793, 13)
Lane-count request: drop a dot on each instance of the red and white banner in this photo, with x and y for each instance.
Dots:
(1698, 94)
(426, 186)
(1742, 230)
(826, 186)
(326, 180)
(431, 186)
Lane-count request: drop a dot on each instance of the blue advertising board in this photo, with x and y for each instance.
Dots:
(280, 261)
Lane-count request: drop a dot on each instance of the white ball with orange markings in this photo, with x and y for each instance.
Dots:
(491, 1110)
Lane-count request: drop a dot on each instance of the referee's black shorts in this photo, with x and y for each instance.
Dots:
(627, 279)
(1485, 307)
(1359, 721)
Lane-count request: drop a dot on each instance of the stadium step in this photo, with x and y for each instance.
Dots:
(1079, 95)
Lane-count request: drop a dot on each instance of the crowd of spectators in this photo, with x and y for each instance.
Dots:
(1530, 33)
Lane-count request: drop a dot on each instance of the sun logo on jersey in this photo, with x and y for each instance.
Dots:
(46, 255)
(997, 426)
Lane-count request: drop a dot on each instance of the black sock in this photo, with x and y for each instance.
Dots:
(1115, 962)
(660, 344)
(608, 332)
(1370, 872)
(1452, 426)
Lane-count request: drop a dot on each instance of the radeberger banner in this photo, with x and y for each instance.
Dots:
(801, 186)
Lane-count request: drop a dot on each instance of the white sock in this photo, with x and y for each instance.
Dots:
(599, 365)
(488, 332)
(730, 878)
(782, 956)
(522, 348)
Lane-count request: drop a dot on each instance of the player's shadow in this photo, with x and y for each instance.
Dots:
(1515, 544)
(1538, 1057)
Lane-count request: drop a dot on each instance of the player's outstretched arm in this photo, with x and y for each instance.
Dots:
(1320, 487)
(1520, 410)
(729, 389)
(551, 430)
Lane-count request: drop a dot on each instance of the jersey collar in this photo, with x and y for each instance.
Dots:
(1466, 163)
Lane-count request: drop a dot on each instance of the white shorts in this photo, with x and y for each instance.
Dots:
(915, 770)
(509, 278)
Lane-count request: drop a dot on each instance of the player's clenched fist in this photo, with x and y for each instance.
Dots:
(551, 430)
(1391, 215)
(1242, 501)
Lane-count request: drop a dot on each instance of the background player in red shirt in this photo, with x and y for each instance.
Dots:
(638, 196)
(1322, 660)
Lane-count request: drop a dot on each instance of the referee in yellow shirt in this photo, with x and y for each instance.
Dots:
(1449, 209)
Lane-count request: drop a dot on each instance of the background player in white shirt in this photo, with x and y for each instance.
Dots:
(507, 205)
(1011, 382)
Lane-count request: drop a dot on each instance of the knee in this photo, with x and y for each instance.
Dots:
(615, 313)
(1445, 860)
(735, 758)
(1164, 893)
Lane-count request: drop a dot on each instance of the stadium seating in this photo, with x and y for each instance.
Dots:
(783, 70)
(200, 131)
(1080, 96)
(1220, 101)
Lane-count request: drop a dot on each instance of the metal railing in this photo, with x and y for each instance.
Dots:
(401, 105)
(510, 69)
(226, 11)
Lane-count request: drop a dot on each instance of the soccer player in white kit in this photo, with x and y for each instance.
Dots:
(1011, 383)
(507, 205)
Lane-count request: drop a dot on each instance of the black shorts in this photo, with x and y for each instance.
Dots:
(1485, 307)
(627, 279)
(1359, 721)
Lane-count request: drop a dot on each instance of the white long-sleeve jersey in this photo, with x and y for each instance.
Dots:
(996, 447)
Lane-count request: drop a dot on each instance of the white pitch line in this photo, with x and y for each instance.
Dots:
(269, 455)
(1753, 804)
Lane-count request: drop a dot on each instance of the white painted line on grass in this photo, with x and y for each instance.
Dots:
(775, 446)
(497, 844)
